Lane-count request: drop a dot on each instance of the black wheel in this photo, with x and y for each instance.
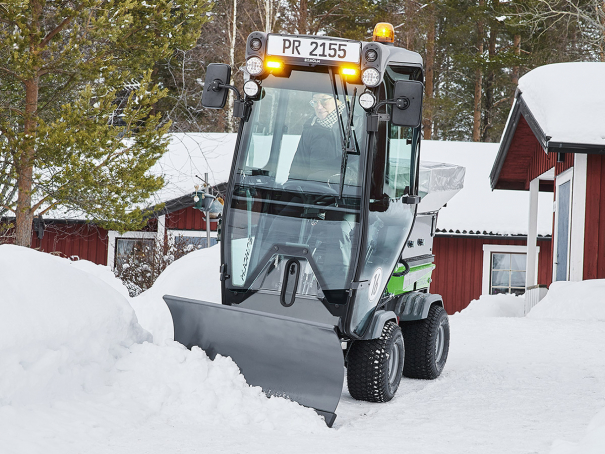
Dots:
(427, 343)
(374, 367)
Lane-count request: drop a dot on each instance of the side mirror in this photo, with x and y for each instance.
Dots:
(407, 110)
(215, 94)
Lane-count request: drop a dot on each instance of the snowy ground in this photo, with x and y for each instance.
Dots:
(77, 375)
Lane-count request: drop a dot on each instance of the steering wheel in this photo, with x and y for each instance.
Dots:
(315, 192)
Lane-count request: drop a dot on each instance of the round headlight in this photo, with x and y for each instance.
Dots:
(255, 44)
(370, 77)
(371, 55)
(254, 66)
(251, 88)
(367, 100)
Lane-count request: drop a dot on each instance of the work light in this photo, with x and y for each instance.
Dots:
(370, 77)
(254, 66)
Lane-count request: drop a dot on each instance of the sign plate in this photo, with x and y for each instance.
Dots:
(314, 50)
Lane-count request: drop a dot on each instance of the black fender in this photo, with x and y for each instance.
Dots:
(415, 305)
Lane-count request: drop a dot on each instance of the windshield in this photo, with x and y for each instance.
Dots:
(290, 177)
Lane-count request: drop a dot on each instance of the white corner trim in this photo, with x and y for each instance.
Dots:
(532, 234)
(112, 235)
(578, 218)
(161, 233)
(505, 248)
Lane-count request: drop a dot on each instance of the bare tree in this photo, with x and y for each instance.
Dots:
(588, 15)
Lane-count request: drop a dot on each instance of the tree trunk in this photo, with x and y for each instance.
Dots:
(478, 79)
(489, 88)
(515, 73)
(430, 74)
(232, 63)
(517, 47)
(25, 166)
(303, 17)
(601, 18)
(268, 14)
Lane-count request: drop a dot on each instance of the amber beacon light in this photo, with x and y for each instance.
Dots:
(384, 33)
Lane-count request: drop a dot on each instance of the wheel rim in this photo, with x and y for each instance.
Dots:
(394, 359)
(440, 343)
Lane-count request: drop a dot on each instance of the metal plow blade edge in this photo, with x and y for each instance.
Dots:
(300, 360)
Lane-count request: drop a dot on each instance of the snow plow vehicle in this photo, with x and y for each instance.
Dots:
(328, 224)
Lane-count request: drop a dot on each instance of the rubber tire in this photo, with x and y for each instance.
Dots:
(368, 366)
(420, 339)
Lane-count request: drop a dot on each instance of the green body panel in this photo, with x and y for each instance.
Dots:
(419, 277)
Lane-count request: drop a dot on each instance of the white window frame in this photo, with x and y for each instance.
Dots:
(172, 233)
(113, 235)
(562, 178)
(489, 249)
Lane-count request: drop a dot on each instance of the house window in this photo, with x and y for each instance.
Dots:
(138, 249)
(507, 273)
(189, 240)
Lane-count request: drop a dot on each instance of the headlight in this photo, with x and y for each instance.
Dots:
(370, 77)
(251, 88)
(371, 55)
(254, 66)
(255, 44)
(367, 100)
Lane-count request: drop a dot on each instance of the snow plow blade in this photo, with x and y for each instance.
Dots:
(287, 357)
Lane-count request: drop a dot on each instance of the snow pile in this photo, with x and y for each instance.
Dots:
(592, 443)
(495, 306)
(194, 276)
(76, 367)
(104, 273)
(61, 329)
(568, 110)
(583, 300)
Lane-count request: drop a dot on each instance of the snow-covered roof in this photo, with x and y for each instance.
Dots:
(191, 154)
(476, 208)
(188, 155)
(568, 101)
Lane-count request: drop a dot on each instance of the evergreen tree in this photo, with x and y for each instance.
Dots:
(61, 65)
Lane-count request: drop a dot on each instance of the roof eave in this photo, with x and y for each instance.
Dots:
(520, 108)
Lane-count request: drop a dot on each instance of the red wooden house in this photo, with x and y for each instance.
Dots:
(554, 142)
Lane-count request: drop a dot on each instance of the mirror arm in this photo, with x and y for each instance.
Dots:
(240, 109)
(218, 85)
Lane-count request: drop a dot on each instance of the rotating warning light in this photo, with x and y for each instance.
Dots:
(384, 33)
(254, 66)
(273, 64)
(349, 71)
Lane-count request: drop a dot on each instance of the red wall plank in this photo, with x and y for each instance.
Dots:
(187, 219)
(87, 242)
(593, 214)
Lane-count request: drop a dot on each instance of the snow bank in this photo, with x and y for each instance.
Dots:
(495, 306)
(583, 300)
(195, 276)
(592, 443)
(568, 110)
(104, 273)
(61, 329)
